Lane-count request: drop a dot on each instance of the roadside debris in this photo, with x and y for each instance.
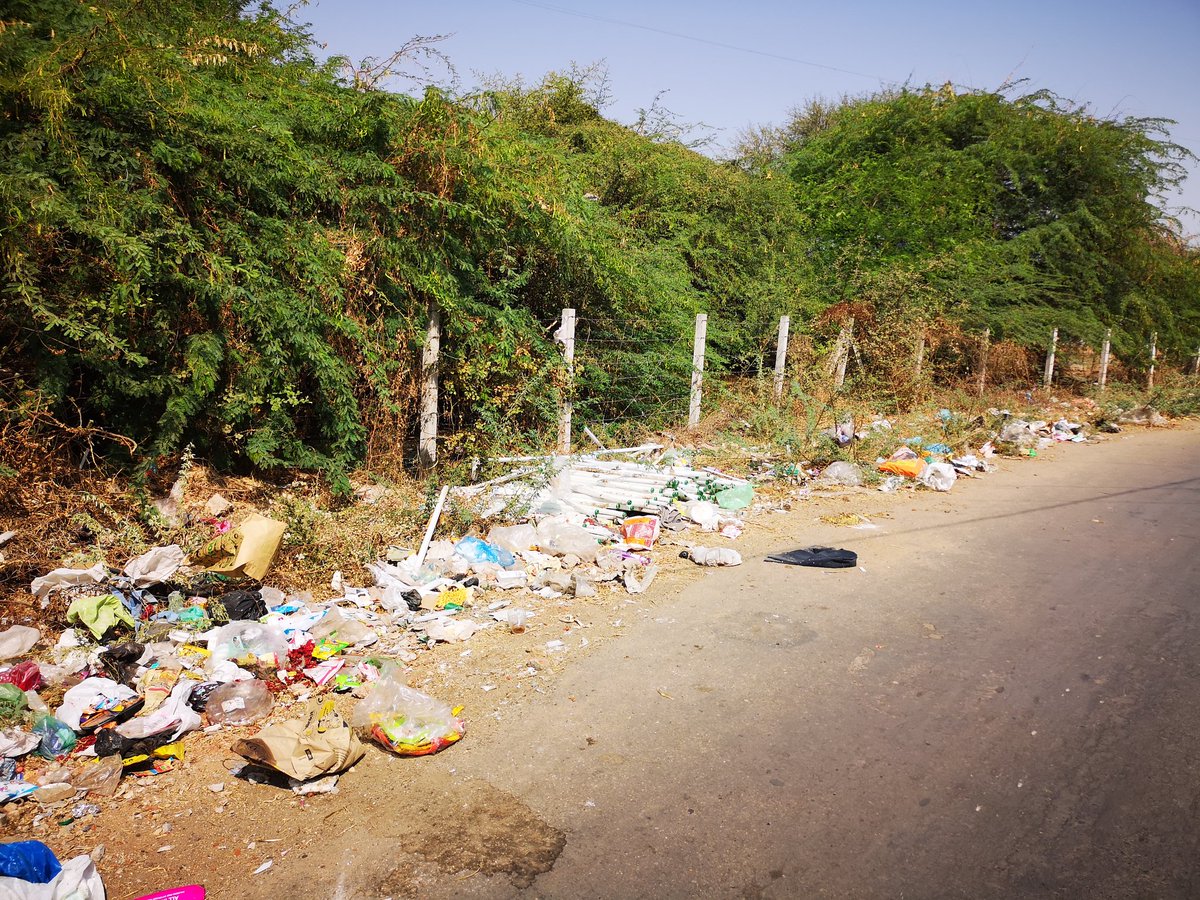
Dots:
(817, 557)
(166, 646)
(316, 744)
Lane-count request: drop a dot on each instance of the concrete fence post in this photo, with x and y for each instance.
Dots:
(1104, 356)
(781, 346)
(1153, 360)
(427, 446)
(697, 370)
(566, 337)
(983, 358)
(1048, 374)
(845, 340)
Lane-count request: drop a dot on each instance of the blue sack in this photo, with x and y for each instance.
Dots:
(30, 861)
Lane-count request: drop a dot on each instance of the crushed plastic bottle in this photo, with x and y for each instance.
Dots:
(239, 703)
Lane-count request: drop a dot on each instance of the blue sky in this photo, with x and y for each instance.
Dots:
(1139, 59)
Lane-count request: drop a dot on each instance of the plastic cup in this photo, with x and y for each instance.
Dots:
(517, 619)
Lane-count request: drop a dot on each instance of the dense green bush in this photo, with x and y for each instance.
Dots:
(211, 237)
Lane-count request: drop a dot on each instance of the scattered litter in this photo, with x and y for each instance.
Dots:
(17, 641)
(641, 531)
(905, 468)
(239, 703)
(205, 645)
(247, 550)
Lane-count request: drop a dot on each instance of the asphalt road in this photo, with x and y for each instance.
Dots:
(1003, 701)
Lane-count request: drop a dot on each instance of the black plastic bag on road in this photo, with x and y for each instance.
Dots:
(817, 557)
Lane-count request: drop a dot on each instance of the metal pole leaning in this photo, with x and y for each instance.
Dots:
(1048, 374)
(566, 336)
(697, 370)
(781, 345)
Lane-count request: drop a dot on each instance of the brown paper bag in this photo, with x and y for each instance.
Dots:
(318, 743)
(247, 550)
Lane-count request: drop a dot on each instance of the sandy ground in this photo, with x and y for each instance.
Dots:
(994, 704)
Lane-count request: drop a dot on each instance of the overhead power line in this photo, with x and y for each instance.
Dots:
(698, 40)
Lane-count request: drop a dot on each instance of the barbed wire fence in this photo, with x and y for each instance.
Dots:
(610, 389)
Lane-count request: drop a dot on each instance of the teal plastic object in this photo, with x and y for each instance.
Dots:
(58, 738)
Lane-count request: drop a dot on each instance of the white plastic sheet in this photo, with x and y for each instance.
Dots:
(154, 566)
(17, 641)
(61, 578)
(78, 880)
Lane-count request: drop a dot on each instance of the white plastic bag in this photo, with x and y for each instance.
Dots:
(559, 537)
(87, 694)
(247, 638)
(713, 556)
(17, 641)
(154, 566)
(78, 880)
(514, 538)
(939, 475)
(841, 473)
(61, 578)
(703, 513)
(174, 711)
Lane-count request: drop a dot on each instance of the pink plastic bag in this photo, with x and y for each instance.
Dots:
(27, 676)
(191, 892)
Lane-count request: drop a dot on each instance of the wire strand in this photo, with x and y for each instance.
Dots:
(699, 40)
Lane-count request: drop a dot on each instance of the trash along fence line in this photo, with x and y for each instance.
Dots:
(686, 398)
(303, 685)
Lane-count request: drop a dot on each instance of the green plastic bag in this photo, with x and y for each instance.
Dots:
(736, 497)
(12, 702)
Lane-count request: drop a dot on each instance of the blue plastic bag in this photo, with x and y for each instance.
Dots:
(58, 738)
(30, 861)
(475, 550)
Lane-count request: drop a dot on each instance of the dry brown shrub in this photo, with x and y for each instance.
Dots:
(1010, 363)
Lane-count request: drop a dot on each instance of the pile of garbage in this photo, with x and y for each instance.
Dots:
(169, 646)
(605, 490)
(937, 466)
